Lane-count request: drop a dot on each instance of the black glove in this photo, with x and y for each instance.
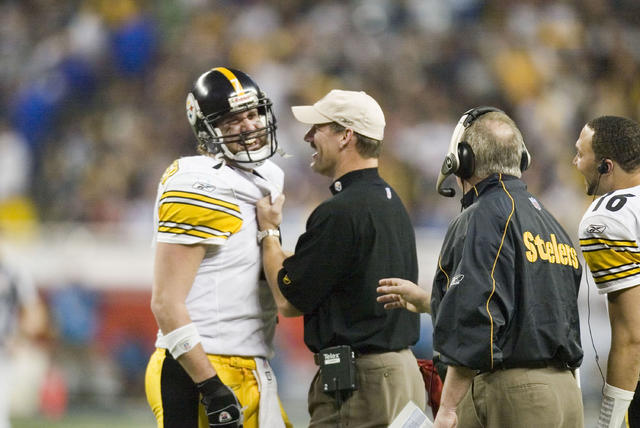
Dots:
(221, 404)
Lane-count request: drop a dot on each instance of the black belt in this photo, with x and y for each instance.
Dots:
(540, 364)
(316, 357)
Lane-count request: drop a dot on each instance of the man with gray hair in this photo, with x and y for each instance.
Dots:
(504, 297)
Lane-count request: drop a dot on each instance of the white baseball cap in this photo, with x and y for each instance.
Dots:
(351, 109)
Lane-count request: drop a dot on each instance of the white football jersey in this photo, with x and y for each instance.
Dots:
(609, 237)
(203, 200)
(16, 290)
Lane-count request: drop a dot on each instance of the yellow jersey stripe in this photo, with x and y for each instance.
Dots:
(199, 216)
(608, 242)
(607, 259)
(495, 262)
(617, 275)
(232, 79)
(199, 197)
(187, 227)
(191, 232)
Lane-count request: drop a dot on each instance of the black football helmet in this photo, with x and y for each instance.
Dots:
(222, 91)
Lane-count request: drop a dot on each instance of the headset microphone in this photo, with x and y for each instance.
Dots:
(449, 192)
(448, 166)
(603, 168)
(451, 162)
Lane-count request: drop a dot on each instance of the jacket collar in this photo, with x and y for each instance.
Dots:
(351, 177)
(482, 187)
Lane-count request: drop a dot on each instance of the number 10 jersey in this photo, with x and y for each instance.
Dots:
(609, 236)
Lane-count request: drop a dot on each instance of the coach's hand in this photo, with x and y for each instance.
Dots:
(399, 293)
(446, 418)
(221, 404)
(269, 214)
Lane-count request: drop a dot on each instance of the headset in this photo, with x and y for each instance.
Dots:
(603, 168)
(460, 159)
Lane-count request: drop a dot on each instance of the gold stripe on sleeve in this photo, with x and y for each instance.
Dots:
(618, 275)
(191, 232)
(443, 271)
(607, 242)
(608, 258)
(200, 197)
(495, 262)
(194, 215)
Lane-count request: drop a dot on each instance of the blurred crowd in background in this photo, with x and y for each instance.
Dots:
(92, 94)
(93, 91)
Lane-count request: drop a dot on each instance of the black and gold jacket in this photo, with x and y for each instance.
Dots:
(506, 288)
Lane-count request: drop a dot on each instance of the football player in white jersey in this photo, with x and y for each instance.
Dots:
(608, 155)
(23, 318)
(216, 319)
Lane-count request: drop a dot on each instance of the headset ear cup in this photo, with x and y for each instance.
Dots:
(524, 161)
(467, 160)
(603, 168)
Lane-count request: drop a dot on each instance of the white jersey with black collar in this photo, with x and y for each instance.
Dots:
(610, 239)
(203, 200)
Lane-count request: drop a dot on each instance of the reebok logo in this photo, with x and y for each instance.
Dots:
(456, 280)
(596, 228)
(204, 186)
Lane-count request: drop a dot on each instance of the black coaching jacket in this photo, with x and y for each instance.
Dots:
(505, 292)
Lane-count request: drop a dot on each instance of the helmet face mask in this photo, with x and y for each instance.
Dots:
(219, 94)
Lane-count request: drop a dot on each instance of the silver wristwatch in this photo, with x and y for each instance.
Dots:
(267, 232)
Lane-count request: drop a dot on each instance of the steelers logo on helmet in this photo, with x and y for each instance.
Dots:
(192, 109)
(221, 92)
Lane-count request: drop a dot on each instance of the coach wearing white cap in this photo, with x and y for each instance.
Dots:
(367, 373)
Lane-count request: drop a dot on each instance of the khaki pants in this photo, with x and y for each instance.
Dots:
(544, 397)
(387, 381)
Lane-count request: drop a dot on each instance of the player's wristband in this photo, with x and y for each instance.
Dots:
(182, 339)
(267, 232)
(615, 403)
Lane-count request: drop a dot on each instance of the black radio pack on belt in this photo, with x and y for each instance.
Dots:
(337, 369)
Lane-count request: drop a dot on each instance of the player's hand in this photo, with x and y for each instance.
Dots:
(270, 214)
(221, 404)
(400, 293)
